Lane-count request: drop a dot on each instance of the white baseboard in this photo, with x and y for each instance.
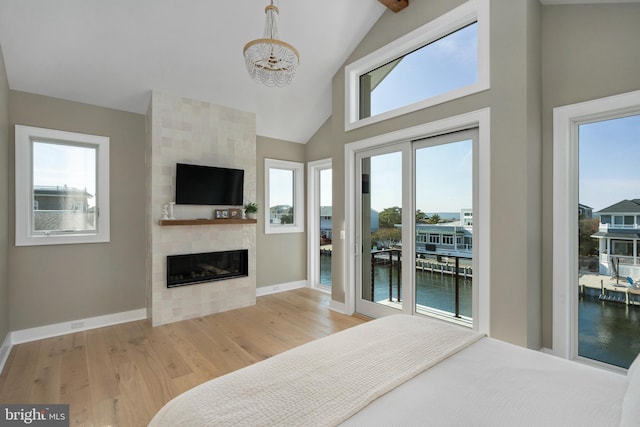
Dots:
(48, 331)
(5, 349)
(338, 307)
(274, 289)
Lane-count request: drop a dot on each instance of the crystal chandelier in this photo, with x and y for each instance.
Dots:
(270, 60)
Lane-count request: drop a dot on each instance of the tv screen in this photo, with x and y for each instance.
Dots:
(207, 185)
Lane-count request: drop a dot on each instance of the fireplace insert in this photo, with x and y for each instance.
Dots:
(206, 267)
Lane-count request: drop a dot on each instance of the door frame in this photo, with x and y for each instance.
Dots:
(566, 120)
(480, 119)
(313, 223)
(374, 309)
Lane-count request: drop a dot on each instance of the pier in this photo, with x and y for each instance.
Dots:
(446, 267)
(608, 288)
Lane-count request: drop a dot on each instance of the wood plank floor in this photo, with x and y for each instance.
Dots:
(121, 375)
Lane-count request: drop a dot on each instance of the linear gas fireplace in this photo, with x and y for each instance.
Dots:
(206, 267)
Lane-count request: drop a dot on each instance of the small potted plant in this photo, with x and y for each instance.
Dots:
(250, 210)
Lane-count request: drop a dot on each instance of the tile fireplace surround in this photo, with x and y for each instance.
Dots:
(181, 130)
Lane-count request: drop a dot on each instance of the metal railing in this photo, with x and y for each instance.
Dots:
(393, 258)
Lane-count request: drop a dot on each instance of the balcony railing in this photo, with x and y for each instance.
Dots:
(619, 259)
(607, 227)
(392, 257)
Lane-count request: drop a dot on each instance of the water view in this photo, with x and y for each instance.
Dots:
(434, 290)
(608, 331)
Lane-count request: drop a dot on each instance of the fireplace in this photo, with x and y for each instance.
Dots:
(189, 269)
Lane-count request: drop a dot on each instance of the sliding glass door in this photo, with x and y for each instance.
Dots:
(379, 236)
(444, 226)
(414, 234)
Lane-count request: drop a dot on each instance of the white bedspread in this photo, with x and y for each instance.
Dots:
(323, 382)
(493, 384)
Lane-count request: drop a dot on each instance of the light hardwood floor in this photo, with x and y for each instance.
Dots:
(121, 375)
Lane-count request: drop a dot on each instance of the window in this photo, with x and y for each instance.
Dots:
(283, 196)
(319, 223)
(434, 238)
(445, 59)
(62, 187)
(441, 66)
(591, 151)
(447, 240)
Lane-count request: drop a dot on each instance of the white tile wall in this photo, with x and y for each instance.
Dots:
(188, 131)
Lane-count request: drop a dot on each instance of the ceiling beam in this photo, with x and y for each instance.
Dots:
(395, 5)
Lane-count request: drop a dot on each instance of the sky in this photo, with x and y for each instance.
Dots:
(443, 178)
(439, 67)
(609, 162)
(443, 173)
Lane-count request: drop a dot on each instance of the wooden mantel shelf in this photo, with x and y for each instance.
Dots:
(207, 221)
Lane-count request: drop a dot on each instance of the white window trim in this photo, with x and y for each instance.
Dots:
(463, 15)
(482, 262)
(298, 197)
(566, 121)
(313, 220)
(24, 138)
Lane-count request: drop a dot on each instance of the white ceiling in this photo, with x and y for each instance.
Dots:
(112, 53)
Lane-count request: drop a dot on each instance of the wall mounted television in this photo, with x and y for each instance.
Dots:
(208, 185)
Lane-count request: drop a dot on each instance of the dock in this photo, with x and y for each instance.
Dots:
(608, 288)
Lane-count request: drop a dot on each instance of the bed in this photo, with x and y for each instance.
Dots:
(410, 371)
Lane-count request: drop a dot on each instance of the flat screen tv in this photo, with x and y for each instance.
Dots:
(207, 185)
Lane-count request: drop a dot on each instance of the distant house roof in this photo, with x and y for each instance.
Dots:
(580, 205)
(52, 190)
(625, 206)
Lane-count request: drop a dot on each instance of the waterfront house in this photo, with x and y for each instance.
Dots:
(584, 211)
(62, 208)
(451, 238)
(619, 239)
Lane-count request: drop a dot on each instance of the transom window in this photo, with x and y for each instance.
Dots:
(62, 193)
(441, 66)
(445, 59)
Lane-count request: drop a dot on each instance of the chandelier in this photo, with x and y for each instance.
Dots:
(269, 60)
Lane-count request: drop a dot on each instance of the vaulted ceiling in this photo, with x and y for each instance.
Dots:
(112, 53)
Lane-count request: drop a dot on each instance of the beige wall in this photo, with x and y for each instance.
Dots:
(4, 203)
(514, 99)
(589, 52)
(51, 284)
(282, 258)
(319, 146)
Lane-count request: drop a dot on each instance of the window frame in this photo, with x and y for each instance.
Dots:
(314, 169)
(465, 14)
(25, 136)
(566, 121)
(298, 196)
(480, 119)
